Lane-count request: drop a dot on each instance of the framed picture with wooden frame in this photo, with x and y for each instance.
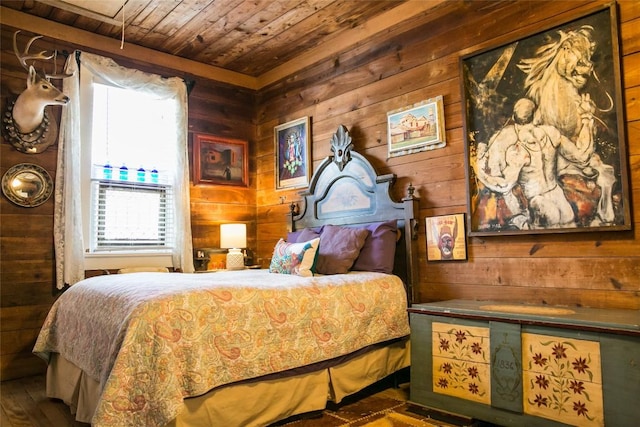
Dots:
(293, 154)
(419, 127)
(544, 129)
(446, 238)
(220, 161)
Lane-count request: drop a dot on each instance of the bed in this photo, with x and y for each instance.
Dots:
(249, 347)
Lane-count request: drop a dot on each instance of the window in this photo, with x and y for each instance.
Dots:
(129, 164)
(130, 216)
(90, 229)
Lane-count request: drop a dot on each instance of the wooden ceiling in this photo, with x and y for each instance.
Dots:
(250, 37)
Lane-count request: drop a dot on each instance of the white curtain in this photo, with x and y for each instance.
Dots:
(67, 215)
(67, 207)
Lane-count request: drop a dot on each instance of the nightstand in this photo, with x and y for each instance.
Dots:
(206, 259)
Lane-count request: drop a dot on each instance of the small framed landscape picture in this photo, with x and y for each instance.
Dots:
(220, 161)
(293, 154)
(446, 238)
(416, 128)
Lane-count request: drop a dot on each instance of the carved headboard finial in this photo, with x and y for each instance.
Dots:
(341, 146)
(293, 208)
(410, 190)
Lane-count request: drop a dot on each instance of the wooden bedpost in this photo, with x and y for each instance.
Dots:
(411, 227)
(293, 211)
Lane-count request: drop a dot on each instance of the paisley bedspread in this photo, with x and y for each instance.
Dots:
(153, 339)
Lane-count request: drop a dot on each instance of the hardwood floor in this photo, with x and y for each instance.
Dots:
(25, 404)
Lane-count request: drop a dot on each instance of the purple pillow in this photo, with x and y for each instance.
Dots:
(339, 248)
(309, 233)
(292, 236)
(379, 248)
(303, 235)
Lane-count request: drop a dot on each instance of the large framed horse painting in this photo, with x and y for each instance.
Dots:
(544, 131)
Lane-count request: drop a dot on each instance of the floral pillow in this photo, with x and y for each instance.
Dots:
(294, 258)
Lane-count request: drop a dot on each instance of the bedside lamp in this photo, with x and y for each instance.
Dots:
(234, 238)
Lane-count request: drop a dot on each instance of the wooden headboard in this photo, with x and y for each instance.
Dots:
(346, 190)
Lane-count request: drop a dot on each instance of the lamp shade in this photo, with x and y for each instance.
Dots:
(234, 237)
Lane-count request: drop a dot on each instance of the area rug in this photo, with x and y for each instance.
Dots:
(374, 411)
(394, 419)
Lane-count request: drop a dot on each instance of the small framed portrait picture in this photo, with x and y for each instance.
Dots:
(446, 238)
(293, 154)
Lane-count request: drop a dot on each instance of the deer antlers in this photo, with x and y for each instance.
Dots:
(42, 56)
(25, 122)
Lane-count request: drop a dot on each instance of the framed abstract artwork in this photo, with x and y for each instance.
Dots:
(419, 127)
(446, 238)
(293, 154)
(544, 131)
(220, 161)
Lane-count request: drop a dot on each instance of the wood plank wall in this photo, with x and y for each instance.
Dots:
(27, 265)
(420, 60)
(416, 60)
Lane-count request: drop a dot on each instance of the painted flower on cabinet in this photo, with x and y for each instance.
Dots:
(562, 379)
(461, 361)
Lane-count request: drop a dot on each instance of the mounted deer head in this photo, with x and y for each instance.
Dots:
(26, 122)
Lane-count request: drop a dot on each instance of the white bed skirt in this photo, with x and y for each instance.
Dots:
(258, 403)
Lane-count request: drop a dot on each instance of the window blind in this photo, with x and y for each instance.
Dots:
(132, 215)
